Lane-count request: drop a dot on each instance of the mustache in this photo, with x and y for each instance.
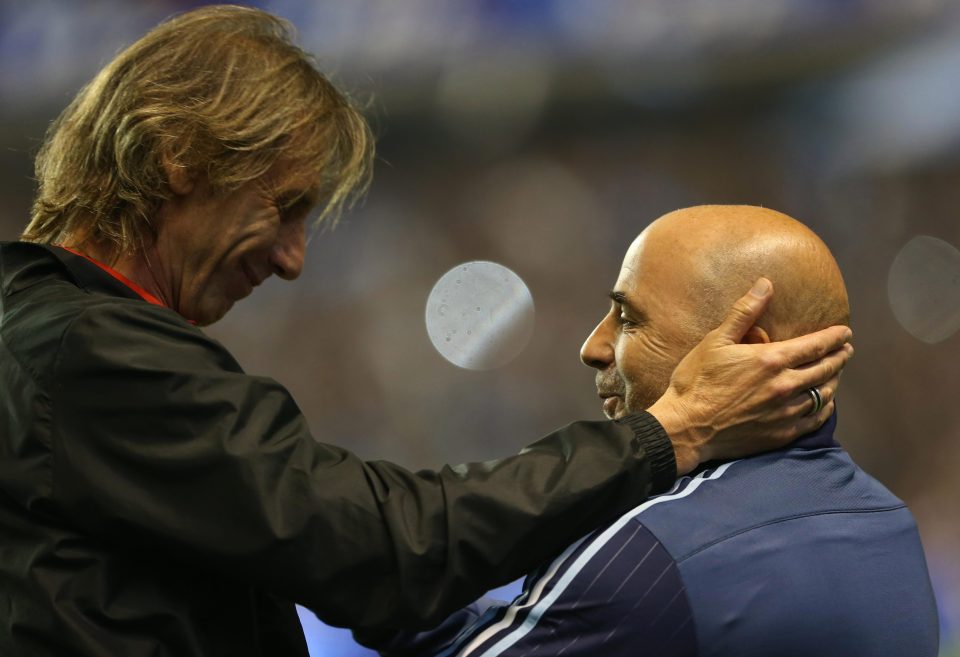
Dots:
(609, 383)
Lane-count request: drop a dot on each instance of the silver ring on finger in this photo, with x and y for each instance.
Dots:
(817, 400)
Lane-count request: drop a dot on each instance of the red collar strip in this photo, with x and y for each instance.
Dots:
(149, 298)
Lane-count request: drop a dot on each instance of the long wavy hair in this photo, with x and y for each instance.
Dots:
(222, 92)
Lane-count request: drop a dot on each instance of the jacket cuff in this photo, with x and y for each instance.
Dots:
(651, 437)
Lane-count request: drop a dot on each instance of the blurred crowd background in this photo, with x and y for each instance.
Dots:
(544, 135)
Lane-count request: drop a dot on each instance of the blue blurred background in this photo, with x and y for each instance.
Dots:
(544, 136)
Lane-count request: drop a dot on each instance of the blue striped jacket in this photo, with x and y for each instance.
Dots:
(794, 553)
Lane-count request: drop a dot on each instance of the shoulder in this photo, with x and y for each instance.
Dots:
(74, 348)
(70, 331)
(742, 496)
(783, 545)
(137, 334)
(43, 310)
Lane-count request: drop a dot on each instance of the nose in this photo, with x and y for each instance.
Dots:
(286, 256)
(598, 350)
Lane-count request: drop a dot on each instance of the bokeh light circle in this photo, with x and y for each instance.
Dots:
(924, 288)
(480, 315)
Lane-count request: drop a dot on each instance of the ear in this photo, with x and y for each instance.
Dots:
(755, 335)
(178, 177)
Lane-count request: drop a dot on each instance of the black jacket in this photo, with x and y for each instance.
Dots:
(157, 501)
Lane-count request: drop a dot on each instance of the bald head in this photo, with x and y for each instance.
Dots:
(680, 277)
(714, 253)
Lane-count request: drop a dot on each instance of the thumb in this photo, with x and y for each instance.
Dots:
(745, 312)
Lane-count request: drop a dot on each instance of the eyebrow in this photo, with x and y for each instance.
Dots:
(292, 197)
(619, 297)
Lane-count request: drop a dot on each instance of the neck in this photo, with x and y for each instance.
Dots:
(136, 267)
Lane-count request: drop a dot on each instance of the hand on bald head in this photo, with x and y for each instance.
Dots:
(706, 257)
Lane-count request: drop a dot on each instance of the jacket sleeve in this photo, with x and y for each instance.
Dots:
(161, 442)
(437, 640)
(618, 591)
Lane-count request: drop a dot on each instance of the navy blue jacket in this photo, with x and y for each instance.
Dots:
(795, 553)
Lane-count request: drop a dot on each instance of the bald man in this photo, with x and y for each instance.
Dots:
(796, 552)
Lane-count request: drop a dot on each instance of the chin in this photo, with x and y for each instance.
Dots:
(619, 412)
(635, 406)
(207, 321)
(207, 316)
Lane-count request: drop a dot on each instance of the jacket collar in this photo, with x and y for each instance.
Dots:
(113, 273)
(819, 439)
(22, 263)
(822, 437)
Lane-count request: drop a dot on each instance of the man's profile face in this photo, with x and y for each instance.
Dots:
(646, 332)
(215, 248)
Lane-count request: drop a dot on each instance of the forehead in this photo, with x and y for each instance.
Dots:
(288, 177)
(656, 271)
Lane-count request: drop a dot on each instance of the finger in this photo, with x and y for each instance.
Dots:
(821, 371)
(810, 423)
(746, 311)
(802, 424)
(804, 403)
(828, 391)
(813, 346)
(801, 404)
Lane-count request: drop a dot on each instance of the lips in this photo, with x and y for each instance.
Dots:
(251, 276)
(611, 401)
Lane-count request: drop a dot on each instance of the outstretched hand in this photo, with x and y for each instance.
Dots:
(728, 400)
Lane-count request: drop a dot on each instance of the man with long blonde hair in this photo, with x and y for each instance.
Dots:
(157, 500)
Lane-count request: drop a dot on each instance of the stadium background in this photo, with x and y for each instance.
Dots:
(544, 136)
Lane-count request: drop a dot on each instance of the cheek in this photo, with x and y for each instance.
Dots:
(645, 361)
(250, 223)
(225, 285)
(639, 350)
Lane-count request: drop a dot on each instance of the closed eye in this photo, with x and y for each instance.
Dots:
(295, 205)
(621, 306)
(296, 211)
(626, 322)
